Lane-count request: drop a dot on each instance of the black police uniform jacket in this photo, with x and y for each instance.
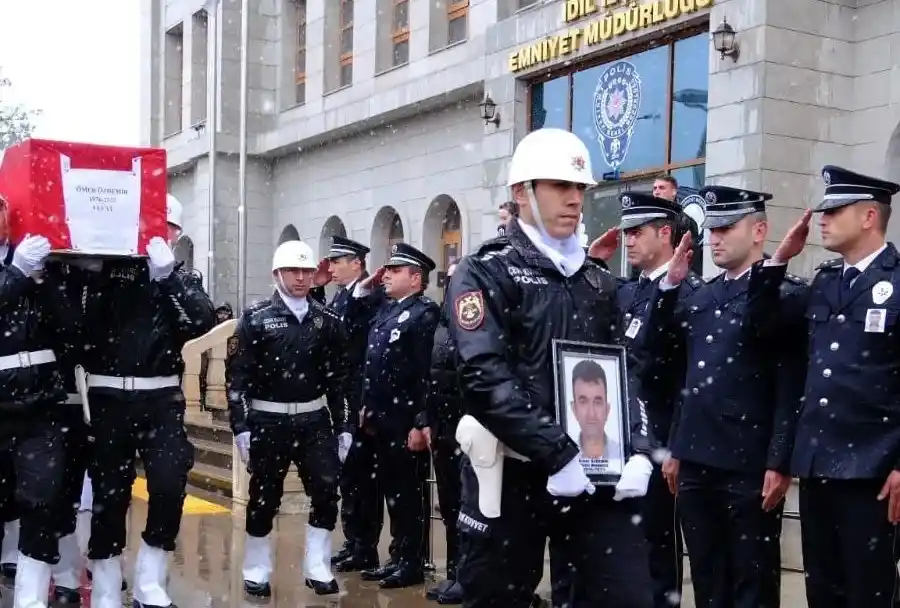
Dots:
(33, 317)
(661, 391)
(510, 302)
(743, 341)
(444, 403)
(849, 426)
(398, 358)
(273, 356)
(136, 327)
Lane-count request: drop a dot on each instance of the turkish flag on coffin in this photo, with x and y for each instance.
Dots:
(85, 198)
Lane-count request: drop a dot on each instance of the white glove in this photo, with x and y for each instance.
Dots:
(570, 481)
(242, 441)
(29, 256)
(635, 478)
(162, 260)
(345, 440)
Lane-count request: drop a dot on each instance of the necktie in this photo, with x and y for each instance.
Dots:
(847, 282)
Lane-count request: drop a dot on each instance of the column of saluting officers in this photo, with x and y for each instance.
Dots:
(746, 380)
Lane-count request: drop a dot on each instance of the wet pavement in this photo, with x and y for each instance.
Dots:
(205, 571)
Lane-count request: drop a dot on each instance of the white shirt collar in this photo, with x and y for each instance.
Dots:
(658, 272)
(740, 276)
(866, 261)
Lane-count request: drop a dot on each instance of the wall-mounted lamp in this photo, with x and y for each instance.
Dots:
(489, 113)
(724, 42)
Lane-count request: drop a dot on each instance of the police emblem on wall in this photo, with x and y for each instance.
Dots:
(617, 104)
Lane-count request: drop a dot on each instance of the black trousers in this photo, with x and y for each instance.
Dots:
(276, 441)
(31, 468)
(662, 526)
(403, 476)
(362, 503)
(850, 550)
(734, 546)
(595, 546)
(447, 461)
(153, 428)
(77, 450)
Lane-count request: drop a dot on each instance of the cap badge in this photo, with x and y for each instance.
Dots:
(826, 177)
(744, 196)
(711, 197)
(626, 201)
(578, 163)
(394, 249)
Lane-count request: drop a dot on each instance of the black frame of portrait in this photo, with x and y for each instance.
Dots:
(563, 349)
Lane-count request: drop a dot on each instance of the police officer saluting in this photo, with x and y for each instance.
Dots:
(733, 434)
(139, 315)
(847, 450)
(396, 382)
(285, 378)
(652, 227)
(511, 299)
(362, 510)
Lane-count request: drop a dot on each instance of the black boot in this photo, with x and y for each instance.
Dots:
(257, 589)
(67, 597)
(436, 591)
(359, 560)
(346, 551)
(329, 588)
(406, 574)
(453, 595)
(377, 574)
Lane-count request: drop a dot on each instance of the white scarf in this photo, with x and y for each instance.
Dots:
(567, 255)
(298, 306)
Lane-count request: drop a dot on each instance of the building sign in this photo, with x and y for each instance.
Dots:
(617, 105)
(618, 17)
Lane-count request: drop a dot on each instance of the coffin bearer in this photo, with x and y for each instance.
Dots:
(847, 451)
(396, 381)
(362, 510)
(139, 316)
(286, 372)
(742, 335)
(9, 553)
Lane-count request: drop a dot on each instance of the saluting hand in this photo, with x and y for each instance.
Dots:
(795, 239)
(681, 261)
(323, 274)
(605, 245)
(373, 280)
(891, 488)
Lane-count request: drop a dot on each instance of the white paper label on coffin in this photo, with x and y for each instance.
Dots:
(103, 208)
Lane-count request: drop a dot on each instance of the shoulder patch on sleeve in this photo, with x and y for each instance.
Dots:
(831, 264)
(469, 310)
(232, 345)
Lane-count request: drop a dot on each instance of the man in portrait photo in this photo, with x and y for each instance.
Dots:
(590, 407)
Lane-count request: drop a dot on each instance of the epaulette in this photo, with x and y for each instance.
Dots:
(324, 309)
(794, 279)
(492, 248)
(256, 306)
(831, 264)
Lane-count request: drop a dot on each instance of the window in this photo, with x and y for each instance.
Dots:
(665, 135)
(457, 17)
(346, 43)
(300, 59)
(668, 130)
(400, 32)
(174, 72)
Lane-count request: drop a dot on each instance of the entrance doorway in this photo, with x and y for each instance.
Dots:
(451, 243)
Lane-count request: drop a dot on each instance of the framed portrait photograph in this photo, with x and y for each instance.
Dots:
(592, 405)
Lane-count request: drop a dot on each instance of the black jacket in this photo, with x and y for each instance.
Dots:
(33, 317)
(137, 327)
(275, 357)
(743, 387)
(510, 303)
(444, 402)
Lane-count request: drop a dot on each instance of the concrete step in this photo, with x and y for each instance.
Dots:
(211, 479)
(207, 428)
(213, 453)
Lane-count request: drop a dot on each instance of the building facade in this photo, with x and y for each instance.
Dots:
(364, 116)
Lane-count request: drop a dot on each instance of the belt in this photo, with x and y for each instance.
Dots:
(27, 359)
(131, 383)
(291, 409)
